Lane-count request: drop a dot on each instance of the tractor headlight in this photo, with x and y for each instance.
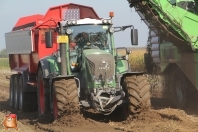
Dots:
(71, 22)
(109, 81)
(111, 30)
(69, 31)
(107, 21)
(97, 81)
(74, 22)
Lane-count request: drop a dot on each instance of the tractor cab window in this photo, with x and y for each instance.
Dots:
(172, 2)
(188, 5)
(91, 37)
(74, 63)
(87, 37)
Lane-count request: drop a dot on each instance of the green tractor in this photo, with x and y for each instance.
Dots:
(88, 71)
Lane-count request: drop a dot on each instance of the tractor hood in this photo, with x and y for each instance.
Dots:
(94, 51)
(101, 64)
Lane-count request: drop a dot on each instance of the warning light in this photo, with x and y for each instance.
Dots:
(111, 14)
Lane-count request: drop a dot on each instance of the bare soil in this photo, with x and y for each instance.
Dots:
(161, 117)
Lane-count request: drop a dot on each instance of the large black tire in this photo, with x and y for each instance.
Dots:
(138, 93)
(43, 94)
(11, 99)
(16, 91)
(27, 101)
(179, 89)
(66, 93)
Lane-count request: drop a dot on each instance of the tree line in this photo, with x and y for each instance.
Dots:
(3, 53)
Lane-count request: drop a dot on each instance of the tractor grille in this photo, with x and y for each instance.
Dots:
(102, 66)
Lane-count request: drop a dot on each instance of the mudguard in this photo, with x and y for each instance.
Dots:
(49, 66)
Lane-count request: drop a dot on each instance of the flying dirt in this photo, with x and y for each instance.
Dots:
(69, 76)
(162, 116)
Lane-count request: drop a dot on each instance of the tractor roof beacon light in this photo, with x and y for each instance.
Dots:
(71, 22)
(111, 14)
(74, 22)
(106, 21)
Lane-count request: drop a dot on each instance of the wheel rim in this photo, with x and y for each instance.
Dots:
(179, 90)
(41, 96)
(55, 108)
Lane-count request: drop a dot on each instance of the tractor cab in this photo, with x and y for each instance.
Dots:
(87, 34)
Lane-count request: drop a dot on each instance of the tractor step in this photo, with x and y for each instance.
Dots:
(85, 103)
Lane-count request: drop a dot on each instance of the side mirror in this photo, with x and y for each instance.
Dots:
(129, 51)
(134, 36)
(49, 39)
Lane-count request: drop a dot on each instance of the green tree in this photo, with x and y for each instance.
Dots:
(3, 53)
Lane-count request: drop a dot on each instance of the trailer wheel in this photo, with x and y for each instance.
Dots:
(43, 94)
(179, 87)
(16, 91)
(138, 93)
(66, 93)
(27, 100)
(12, 77)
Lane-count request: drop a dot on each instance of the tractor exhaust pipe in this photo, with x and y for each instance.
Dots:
(63, 53)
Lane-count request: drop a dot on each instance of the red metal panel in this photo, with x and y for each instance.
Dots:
(27, 20)
(56, 14)
(85, 11)
(42, 51)
(34, 59)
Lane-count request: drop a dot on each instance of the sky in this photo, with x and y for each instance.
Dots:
(12, 10)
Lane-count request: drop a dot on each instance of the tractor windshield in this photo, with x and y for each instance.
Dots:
(92, 36)
(87, 37)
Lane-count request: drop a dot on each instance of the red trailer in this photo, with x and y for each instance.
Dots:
(25, 45)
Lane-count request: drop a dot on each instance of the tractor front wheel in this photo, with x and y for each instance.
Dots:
(138, 93)
(65, 97)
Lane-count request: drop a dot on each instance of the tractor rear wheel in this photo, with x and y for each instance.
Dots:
(43, 94)
(65, 97)
(12, 77)
(138, 93)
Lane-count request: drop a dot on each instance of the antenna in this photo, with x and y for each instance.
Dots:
(131, 15)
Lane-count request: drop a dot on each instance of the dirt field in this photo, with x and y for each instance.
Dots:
(161, 117)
